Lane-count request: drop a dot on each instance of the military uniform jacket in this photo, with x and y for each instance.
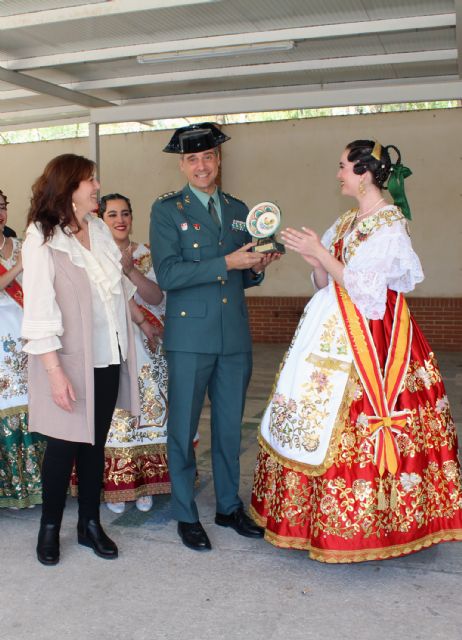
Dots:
(206, 309)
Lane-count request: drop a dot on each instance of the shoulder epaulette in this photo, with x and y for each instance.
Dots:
(229, 195)
(168, 195)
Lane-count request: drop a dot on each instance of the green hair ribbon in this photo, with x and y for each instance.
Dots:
(396, 188)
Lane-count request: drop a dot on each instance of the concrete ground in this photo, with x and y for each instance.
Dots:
(244, 589)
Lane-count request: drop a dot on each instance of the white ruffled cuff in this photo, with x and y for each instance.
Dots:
(42, 345)
(38, 329)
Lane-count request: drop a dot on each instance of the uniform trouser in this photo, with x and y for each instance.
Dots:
(226, 378)
(60, 456)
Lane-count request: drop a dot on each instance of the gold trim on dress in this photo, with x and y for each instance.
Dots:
(136, 451)
(355, 555)
(129, 495)
(332, 450)
(382, 553)
(13, 411)
(329, 363)
(344, 224)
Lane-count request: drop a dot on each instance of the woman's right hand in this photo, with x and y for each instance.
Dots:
(62, 391)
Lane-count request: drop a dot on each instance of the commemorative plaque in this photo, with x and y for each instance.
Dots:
(262, 222)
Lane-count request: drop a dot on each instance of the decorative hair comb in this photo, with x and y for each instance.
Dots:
(377, 151)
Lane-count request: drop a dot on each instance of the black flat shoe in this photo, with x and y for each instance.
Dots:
(193, 536)
(90, 533)
(240, 522)
(48, 544)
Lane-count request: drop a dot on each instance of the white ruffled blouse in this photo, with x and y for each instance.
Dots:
(378, 255)
(42, 324)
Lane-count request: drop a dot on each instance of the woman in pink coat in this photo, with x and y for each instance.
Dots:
(79, 341)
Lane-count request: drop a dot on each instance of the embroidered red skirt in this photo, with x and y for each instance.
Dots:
(335, 516)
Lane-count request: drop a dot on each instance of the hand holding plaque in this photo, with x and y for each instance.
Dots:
(262, 223)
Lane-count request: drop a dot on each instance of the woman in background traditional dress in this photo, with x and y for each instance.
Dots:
(136, 449)
(21, 452)
(358, 449)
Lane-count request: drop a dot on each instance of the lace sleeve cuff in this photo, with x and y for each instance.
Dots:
(368, 291)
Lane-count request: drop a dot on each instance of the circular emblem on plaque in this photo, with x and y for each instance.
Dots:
(263, 220)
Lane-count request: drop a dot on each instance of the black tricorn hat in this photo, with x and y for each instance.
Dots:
(195, 138)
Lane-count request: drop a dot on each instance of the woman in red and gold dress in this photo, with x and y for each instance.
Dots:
(358, 449)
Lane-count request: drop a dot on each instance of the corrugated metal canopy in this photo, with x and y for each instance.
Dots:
(80, 58)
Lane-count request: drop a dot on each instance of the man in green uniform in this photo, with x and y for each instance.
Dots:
(202, 258)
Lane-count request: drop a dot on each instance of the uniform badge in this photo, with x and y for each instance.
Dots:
(238, 225)
(179, 205)
(196, 226)
(184, 226)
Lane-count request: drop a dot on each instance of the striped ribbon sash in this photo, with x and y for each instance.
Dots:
(151, 318)
(382, 390)
(14, 289)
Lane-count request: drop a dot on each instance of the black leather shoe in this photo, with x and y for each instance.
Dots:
(48, 544)
(90, 533)
(193, 535)
(240, 522)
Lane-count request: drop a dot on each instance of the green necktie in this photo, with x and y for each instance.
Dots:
(213, 213)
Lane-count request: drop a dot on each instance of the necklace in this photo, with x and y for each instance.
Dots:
(127, 247)
(366, 213)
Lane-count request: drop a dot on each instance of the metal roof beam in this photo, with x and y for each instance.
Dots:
(49, 116)
(277, 35)
(87, 11)
(441, 88)
(458, 8)
(47, 88)
(253, 70)
(281, 99)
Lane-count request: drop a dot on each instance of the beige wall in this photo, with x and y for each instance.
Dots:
(294, 164)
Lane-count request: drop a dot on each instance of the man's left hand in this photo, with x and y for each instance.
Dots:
(267, 259)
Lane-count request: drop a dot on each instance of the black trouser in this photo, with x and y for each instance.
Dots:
(60, 456)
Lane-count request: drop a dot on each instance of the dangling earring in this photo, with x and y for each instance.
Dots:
(361, 188)
(74, 208)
